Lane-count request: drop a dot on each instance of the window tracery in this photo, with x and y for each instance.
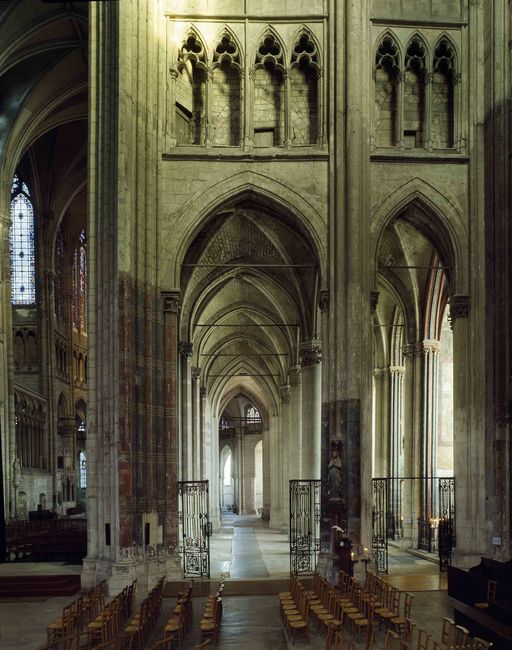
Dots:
(304, 86)
(23, 272)
(59, 274)
(387, 73)
(226, 102)
(443, 81)
(79, 302)
(414, 94)
(191, 91)
(269, 93)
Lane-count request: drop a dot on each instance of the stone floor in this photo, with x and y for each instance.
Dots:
(252, 556)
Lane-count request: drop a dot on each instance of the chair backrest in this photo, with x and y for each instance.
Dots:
(390, 640)
(480, 644)
(408, 605)
(447, 631)
(423, 639)
(461, 637)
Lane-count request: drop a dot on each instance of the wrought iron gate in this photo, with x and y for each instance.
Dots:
(380, 518)
(195, 528)
(304, 525)
(431, 527)
(446, 524)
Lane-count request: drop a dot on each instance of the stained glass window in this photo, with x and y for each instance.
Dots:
(79, 306)
(252, 414)
(59, 274)
(83, 469)
(23, 271)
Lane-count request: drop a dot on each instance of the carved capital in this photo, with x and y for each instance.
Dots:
(185, 349)
(171, 302)
(310, 353)
(459, 308)
(285, 394)
(323, 300)
(196, 373)
(374, 301)
(411, 350)
(396, 371)
(174, 73)
(295, 376)
(431, 346)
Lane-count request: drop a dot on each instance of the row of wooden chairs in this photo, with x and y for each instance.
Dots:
(295, 610)
(181, 618)
(139, 628)
(77, 614)
(453, 637)
(457, 637)
(212, 617)
(108, 623)
(392, 606)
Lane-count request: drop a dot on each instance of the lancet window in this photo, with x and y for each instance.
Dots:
(23, 270)
(414, 98)
(387, 72)
(305, 90)
(79, 303)
(414, 94)
(269, 93)
(59, 287)
(191, 98)
(443, 100)
(226, 103)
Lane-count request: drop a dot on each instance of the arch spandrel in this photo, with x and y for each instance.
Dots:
(447, 231)
(268, 192)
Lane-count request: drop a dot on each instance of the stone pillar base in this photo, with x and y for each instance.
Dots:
(463, 560)
(146, 570)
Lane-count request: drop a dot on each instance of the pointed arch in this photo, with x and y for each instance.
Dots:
(226, 37)
(265, 50)
(313, 57)
(388, 64)
(245, 185)
(445, 225)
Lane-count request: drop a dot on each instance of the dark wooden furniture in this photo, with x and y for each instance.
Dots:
(470, 587)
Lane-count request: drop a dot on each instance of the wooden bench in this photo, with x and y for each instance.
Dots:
(483, 626)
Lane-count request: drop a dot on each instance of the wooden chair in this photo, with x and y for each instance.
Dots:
(461, 637)
(204, 644)
(491, 595)
(365, 623)
(423, 639)
(448, 632)
(399, 622)
(62, 627)
(300, 626)
(480, 644)
(165, 644)
(391, 640)
(210, 627)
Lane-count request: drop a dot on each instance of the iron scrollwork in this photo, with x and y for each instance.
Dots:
(195, 528)
(304, 525)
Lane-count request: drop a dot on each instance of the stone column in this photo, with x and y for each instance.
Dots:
(295, 437)
(266, 513)
(381, 420)
(187, 449)
(310, 358)
(276, 474)
(395, 458)
(171, 306)
(197, 443)
(429, 427)
(285, 445)
(212, 462)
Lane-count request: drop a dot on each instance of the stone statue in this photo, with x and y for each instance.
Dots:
(334, 476)
(16, 472)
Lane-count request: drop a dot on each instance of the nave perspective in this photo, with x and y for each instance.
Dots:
(255, 313)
